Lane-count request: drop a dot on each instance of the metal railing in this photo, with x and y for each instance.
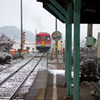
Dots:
(52, 59)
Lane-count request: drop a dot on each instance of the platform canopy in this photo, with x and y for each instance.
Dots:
(90, 9)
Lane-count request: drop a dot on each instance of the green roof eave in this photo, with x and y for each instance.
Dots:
(55, 9)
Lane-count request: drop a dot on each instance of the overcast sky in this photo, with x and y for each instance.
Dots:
(34, 17)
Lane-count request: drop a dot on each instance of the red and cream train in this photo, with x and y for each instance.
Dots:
(43, 42)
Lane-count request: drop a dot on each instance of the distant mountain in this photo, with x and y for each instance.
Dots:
(15, 33)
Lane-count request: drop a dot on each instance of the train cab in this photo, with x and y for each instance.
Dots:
(43, 42)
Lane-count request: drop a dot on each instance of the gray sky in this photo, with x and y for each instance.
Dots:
(34, 17)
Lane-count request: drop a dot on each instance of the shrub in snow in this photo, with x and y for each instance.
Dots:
(88, 64)
(6, 43)
(4, 57)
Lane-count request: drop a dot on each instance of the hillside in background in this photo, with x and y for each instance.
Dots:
(15, 33)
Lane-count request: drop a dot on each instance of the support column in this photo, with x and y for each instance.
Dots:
(69, 49)
(66, 44)
(76, 61)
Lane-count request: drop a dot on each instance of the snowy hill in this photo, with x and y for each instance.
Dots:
(14, 32)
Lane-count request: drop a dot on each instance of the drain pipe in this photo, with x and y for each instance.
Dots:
(89, 31)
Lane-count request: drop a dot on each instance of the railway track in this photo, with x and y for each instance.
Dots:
(11, 71)
(96, 86)
(10, 85)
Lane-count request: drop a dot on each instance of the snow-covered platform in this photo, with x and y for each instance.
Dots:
(49, 86)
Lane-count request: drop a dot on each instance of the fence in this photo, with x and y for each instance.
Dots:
(53, 60)
(12, 51)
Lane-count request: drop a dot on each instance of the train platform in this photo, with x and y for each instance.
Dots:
(48, 85)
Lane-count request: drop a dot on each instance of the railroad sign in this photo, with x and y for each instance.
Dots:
(56, 36)
(98, 45)
(23, 33)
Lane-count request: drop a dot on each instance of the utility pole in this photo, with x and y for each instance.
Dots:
(56, 24)
(56, 44)
(21, 28)
(35, 32)
(56, 30)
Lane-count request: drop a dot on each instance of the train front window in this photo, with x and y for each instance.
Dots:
(42, 38)
(37, 38)
(47, 38)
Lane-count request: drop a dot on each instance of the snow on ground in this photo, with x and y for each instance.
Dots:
(61, 72)
(5, 73)
(18, 60)
(17, 79)
(8, 71)
(41, 66)
(12, 62)
(27, 85)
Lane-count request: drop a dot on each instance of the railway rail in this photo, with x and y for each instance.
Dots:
(17, 78)
(96, 86)
(12, 72)
(13, 62)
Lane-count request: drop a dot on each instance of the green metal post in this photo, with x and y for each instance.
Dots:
(47, 60)
(76, 61)
(68, 45)
(69, 49)
(66, 60)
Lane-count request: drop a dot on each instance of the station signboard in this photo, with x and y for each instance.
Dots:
(98, 45)
(56, 36)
